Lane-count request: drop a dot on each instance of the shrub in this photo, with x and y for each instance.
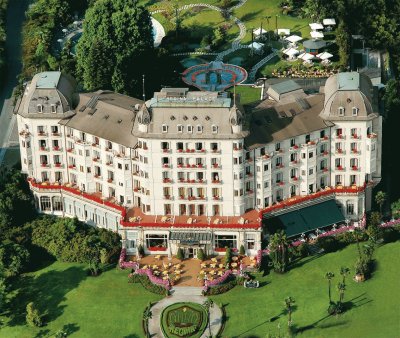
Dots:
(180, 254)
(329, 244)
(141, 250)
(241, 250)
(201, 255)
(147, 284)
(301, 250)
(33, 317)
(13, 258)
(228, 256)
(225, 287)
(3, 8)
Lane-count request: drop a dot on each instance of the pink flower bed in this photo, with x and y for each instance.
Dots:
(126, 265)
(217, 281)
(154, 279)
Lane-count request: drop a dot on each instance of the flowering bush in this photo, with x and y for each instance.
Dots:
(126, 265)
(154, 279)
(217, 281)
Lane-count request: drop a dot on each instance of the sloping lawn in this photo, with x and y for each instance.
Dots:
(104, 306)
(375, 308)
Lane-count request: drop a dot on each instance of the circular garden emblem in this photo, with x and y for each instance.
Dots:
(184, 320)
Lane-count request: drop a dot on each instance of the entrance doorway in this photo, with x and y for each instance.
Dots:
(192, 252)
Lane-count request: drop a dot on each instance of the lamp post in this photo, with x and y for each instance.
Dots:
(208, 304)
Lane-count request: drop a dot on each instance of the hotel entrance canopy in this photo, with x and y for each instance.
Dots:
(190, 238)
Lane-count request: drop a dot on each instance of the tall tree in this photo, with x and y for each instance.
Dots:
(114, 48)
(279, 251)
(289, 301)
(380, 199)
(344, 271)
(329, 276)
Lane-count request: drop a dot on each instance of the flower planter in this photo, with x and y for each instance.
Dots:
(58, 165)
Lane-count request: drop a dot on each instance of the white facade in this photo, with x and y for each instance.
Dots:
(184, 157)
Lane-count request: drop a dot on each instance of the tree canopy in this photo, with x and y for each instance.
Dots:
(114, 48)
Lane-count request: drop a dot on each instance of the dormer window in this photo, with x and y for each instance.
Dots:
(40, 108)
(53, 108)
(214, 129)
(190, 129)
(354, 111)
(164, 128)
(199, 129)
(341, 111)
(180, 128)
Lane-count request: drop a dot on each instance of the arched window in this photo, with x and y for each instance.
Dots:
(45, 204)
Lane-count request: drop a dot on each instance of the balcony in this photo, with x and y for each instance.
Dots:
(200, 151)
(108, 149)
(340, 137)
(167, 180)
(42, 133)
(110, 180)
(279, 166)
(355, 136)
(293, 178)
(237, 148)
(294, 148)
(324, 170)
(166, 150)
(339, 167)
(355, 168)
(294, 163)
(325, 138)
(57, 134)
(96, 159)
(96, 145)
(56, 148)
(57, 165)
(216, 181)
(339, 151)
(250, 191)
(216, 151)
(110, 164)
(325, 153)
(355, 151)
(249, 160)
(72, 166)
(249, 175)
(44, 164)
(216, 166)
(43, 149)
(70, 150)
(372, 135)
(97, 176)
(168, 197)
(25, 134)
(217, 198)
(166, 165)
(280, 183)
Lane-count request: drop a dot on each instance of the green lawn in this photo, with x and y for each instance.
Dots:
(248, 94)
(105, 306)
(376, 303)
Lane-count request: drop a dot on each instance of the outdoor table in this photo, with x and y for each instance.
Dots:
(220, 273)
(234, 265)
(155, 267)
(221, 266)
(214, 260)
(213, 265)
(165, 272)
(203, 265)
(235, 258)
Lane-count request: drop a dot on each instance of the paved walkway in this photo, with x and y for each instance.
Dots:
(183, 294)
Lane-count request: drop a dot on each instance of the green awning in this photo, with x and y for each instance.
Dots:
(307, 219)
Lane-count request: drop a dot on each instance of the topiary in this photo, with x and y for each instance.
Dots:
(242, 252)
(33, 317)
(201, 255)
(180, 254)
(228, 256)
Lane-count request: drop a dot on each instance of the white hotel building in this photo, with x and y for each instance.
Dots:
(192, 169)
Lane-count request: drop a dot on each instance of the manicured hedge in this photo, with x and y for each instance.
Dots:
(225, 287)
(3, 34)
(147, 284)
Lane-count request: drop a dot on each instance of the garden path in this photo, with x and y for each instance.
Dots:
(258, 65)
(183, 294)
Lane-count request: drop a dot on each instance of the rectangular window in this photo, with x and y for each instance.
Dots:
(180, 128)
(223, 241)
(199, 129)
(354, 111)
(250, 241)
(190, 129)
(214, 129)
(164, 128)
(156, 241)
(53, 108)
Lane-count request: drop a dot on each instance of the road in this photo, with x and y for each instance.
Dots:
(15, 18)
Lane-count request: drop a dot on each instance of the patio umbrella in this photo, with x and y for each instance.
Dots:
(324, 56)
(317, 35)
(259, 31)
(306, 56)
(291, 52)
(256, 45)
(329, 22)
(315, 26)
(64, 30)
(285, 31)
(293, 38)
